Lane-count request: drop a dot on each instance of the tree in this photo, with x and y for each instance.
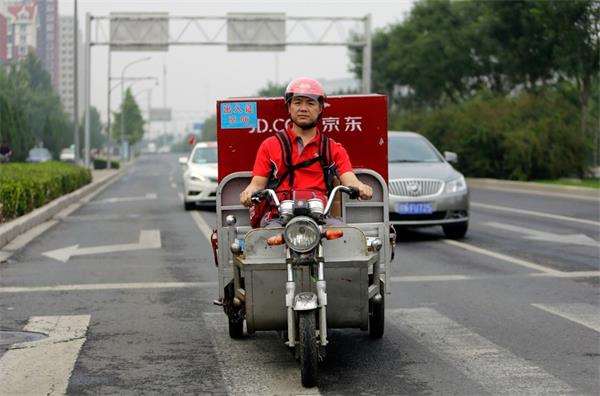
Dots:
(97, 138)
(35, 109)
(132, 128)
(272, 89)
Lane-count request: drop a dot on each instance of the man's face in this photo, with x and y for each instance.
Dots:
(304, 111)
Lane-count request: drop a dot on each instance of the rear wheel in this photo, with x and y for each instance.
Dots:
(309, 351)
(377, 315)
(456, 230)
(189, 205)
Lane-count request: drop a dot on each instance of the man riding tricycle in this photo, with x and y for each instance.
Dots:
(303, 242)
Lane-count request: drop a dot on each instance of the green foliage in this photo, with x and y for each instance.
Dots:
(272, 89)
(522, 138)
(209, 131)
(30, 110)
(24, 187)
(97, 138)
(101, 163)
(132, 128)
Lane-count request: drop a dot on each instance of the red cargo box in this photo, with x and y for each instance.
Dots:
(359, 122)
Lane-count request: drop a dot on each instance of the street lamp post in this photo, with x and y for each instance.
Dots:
(123, 96)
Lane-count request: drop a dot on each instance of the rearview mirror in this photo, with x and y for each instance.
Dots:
(450, 156)
(182, 160)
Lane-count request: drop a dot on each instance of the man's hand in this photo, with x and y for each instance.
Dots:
(246, 195)
(258, 183)
(364, 191)
(349, 179)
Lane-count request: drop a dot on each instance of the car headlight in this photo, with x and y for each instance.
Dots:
(198, 178)
(456, 185)
(302, 234)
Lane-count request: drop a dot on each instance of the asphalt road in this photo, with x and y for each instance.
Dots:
(513, 308)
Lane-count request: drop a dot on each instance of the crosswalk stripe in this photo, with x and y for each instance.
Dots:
(498, 370)
(587, 315)
(257, 366)
(44, 367)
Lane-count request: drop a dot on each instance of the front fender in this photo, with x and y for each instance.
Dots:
(305, 301)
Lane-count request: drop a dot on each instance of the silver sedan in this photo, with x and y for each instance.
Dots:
(425, 190)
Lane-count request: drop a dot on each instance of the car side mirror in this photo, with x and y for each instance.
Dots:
(183, 160)
(450, 156)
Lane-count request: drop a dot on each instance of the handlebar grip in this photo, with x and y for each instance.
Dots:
(258, 195)
(353, 192)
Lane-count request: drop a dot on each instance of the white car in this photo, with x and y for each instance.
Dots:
(200, 175)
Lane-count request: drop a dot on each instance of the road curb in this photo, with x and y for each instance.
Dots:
(530, 186)
(20, 225)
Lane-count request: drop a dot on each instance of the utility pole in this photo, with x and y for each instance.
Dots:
(108, 114)
(88, 84)
(164, 96)
(76, 84)
(366, 70)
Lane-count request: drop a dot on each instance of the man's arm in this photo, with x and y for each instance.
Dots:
(349, 179)
(256, 184)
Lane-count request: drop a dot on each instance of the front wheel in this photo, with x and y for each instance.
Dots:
(189, 205)
(236, 326)
(455, 230)
(309, 351)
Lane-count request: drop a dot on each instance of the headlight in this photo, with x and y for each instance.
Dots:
(199, 178)
(302, 234)
(456, 185)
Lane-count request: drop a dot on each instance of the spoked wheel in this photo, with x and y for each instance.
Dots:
(309, 351)
(377, 315)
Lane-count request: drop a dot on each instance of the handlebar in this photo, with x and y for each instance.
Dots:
(352, 192)
(258, 195)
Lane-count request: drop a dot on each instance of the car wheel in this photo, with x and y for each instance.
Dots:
(189, 205)
(456, 230)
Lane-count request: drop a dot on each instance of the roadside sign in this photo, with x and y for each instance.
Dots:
(256, 31)
(139, 31)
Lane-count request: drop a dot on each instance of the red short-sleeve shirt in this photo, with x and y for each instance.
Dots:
(270, 157)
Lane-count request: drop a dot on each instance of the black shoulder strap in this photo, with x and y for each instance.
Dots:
(326, 162)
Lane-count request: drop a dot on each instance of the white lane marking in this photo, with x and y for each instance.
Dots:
(542, 193)
(262, 364)
(149, 196)
(431, 278)
(44, 367)
(497, 369)
(587, 315)
(536, 235)
(108, 286)
(532, 213)
(171, 178)
(149, 239)
(571, 274)
(499, 256)
(173, 185)
(102, 217)
(202, 225)
(461, 277)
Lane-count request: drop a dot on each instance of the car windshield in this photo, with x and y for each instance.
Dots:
(205, 155)
(411, 149)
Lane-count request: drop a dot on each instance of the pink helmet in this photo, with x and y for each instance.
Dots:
(305, 86)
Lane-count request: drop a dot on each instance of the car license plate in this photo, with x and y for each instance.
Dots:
(414, 208)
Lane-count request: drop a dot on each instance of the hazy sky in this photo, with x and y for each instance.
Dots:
(198, 75)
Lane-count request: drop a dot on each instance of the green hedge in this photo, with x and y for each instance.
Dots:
(24, 187)
(100, 163)
(522, 138)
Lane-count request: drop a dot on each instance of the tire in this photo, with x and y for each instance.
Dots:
(236, 326)
(456, 230)
(309, 350)
(377, 315)
(189, 205)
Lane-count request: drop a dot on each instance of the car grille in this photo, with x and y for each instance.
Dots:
(415, 187)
